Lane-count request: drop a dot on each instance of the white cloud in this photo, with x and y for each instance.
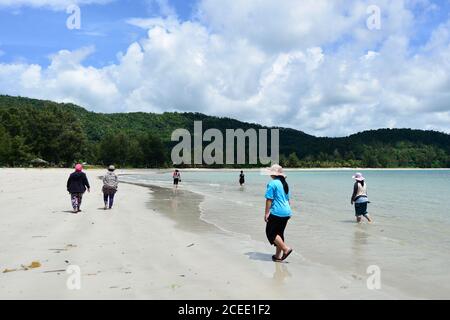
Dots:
(313, 67)
(65, 80)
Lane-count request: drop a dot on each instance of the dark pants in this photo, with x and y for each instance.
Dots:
(108, 198)
(76, 200)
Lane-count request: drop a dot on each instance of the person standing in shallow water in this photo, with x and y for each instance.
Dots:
(76, 186)
(110, 185)
(278, 212)
(242, 178)
(360, 198)
(176, 178)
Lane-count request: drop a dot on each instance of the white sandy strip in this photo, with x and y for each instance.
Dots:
(133, 252)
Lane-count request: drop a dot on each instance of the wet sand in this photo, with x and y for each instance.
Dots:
(152, 245)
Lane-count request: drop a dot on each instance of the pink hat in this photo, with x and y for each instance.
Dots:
(78, 167)
(359, 177)
(276, 170)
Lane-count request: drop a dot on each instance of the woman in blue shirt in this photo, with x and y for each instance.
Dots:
(278, 212)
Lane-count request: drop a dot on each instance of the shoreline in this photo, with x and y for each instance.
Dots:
(138, 170)
(136, 251)
(321, 271)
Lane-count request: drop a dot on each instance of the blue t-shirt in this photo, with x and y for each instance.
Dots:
(280, 200)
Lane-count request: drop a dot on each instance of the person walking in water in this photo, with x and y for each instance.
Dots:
(76, 186)
(278, 212)
(176, 178)
(110, 185)
(360, 198)
(242, 178)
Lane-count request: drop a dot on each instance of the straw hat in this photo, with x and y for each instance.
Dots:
(359, 177)
(276, 170)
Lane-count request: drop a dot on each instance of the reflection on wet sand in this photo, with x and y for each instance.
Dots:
(281, 273)
(180, 205)
(360, 244)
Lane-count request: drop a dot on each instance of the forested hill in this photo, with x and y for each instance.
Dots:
(64, 133)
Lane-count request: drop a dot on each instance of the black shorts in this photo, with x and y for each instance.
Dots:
(361, 209)
(175, 181)
(275, 227)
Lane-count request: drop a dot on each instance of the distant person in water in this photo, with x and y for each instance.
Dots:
(360, 198)
(110, 185)
(76, 186)
(278, 212)
(242, 178)
(176, 178)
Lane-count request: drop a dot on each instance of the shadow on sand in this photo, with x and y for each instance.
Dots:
(349, 221)
(259, 256)
(67, 211)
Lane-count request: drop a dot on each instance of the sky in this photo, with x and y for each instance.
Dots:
(318, 66)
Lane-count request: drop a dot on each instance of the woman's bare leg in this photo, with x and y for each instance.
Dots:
(281, 245)
(278, 252)
(368, 218)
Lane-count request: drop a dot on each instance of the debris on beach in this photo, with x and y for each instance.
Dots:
(33, 265)
(55, 271)
(58, 250)
(9, 270)
(191, 245)
(356, 277)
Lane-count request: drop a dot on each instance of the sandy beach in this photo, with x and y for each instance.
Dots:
(136, 252)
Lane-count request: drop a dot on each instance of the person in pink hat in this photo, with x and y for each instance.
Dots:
(360, 198)
(278, 212)
(76, 186)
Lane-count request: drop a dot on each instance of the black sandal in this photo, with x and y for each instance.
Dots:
(275, 259)
(286, 255)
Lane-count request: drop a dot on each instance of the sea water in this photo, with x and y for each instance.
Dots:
(409, 241)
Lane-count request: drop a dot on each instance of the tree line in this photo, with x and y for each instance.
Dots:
(63, 134)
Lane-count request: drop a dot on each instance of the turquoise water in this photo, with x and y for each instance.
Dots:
(410, 240)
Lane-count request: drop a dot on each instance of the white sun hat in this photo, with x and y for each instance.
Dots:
(359, 177)
(275, 170)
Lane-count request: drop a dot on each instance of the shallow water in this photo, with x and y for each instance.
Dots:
(409, 242)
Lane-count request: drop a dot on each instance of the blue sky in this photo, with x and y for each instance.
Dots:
(308, 64)
(32, 34)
